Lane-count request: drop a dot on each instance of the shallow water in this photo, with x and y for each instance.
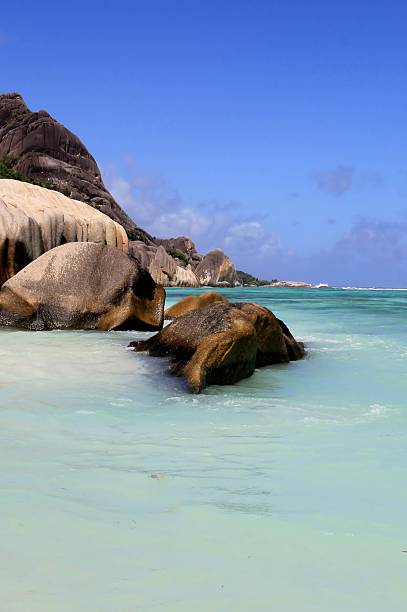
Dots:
(286, 492)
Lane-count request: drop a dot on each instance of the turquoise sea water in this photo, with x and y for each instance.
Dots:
(286, 492)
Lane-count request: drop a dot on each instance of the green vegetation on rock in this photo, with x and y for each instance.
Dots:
(7, 171)
(177, 253)
(132, 234)
(244, 278)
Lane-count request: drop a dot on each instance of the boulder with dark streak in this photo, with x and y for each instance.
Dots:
(82, 285)
(34, 220)
(222, 343)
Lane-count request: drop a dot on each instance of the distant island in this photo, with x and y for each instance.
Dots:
(247, 280)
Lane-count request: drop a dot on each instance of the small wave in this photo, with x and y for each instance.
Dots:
(376, 410)
(326, 349)
(320, 339)
(372, 288)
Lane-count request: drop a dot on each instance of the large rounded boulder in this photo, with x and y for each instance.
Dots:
(83, 285)
(216, 269)
(34, 220)
(222, 343)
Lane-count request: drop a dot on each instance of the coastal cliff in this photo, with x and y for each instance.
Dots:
(36, 148)
(40, 147)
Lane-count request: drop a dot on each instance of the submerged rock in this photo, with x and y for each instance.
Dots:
(193, 302)
(222, 343)
(34, 220)
(82, 285)
(216, 269)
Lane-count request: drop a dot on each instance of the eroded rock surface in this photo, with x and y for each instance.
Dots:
(193, 302)
(162, 267)
(222, 343)
(82, 285)
(34, 220)
(216, 269)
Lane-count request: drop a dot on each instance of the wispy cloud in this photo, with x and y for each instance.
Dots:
(373, 252)
(336, 181)
(158, 207)
(344, 178)
(372, 239)
(250, 239)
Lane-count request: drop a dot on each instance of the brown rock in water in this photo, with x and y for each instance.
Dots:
(34, 220)
(216, 269)
(43, 148)
(222, 343)
(193, 302)
(82, 285)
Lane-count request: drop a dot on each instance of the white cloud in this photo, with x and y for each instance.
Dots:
(250, 238)
(157, 207)
(372, 252)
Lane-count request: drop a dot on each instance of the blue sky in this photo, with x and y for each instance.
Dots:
(275, 130)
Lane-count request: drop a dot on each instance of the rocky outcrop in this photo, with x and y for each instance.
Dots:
(293, 284)
(82, 285)
(193, 302)
(162, 267)
(216, 269)
(38, 148)
(43, 148)
(222, 343)
(181, 248)
(34, 220)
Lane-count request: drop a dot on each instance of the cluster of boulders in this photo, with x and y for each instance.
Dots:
(85, 285)
(34, 220)
(36, 146)
(70, 258)
(214, 269)
(213, 341)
